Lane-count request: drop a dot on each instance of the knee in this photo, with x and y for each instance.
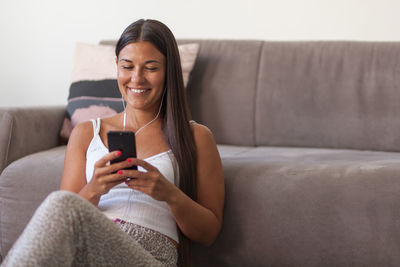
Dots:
(58, 204)
(64, 199)
(61, 195)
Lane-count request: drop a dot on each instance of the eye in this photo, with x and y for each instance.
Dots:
(151, 68)
(126, 67)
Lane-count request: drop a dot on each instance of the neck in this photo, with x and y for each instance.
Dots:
(140, 118)
(137, 120)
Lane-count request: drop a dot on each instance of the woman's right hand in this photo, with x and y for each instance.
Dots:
(105, 175)
(74, 174)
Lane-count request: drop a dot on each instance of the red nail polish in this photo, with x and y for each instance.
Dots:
(129, 160)
(119, 172)
(118, 153)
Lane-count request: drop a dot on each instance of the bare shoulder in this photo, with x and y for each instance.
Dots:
(207, 150)
(83, 128)
(81, 135)
(74, 178)
(202, 136)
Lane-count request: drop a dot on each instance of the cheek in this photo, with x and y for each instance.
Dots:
(122, 80)
(159, 79)
(123, 76)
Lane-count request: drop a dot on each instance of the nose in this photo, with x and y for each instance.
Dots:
(137, 76)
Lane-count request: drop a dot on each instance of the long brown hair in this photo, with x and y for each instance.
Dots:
(175, 113)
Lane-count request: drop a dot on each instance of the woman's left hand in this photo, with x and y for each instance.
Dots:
(152, 182)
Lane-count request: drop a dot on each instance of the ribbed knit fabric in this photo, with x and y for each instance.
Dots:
(130, 205)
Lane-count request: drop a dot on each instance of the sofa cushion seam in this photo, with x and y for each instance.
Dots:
(5, 163)
(7, 147)
(256, 94)
(9, 142)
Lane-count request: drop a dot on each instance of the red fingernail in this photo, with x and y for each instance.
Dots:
(118, 153)
(119, 172)
(129, 160)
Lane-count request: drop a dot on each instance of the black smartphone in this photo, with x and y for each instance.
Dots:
(123, 141)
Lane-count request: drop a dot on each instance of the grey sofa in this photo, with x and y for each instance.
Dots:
(309, 135)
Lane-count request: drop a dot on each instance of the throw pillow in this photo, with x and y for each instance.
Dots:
(94, 90)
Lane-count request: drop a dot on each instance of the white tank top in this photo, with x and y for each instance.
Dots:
(130, 205)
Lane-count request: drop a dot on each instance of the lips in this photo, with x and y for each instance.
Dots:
(138, 90)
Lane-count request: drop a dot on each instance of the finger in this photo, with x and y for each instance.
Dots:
(120, 165)
(137, 183)
(115, 183)
(110, 169)
(117, 178)
(110, 156)
(105, 187)
(147, 166)
(135, 174)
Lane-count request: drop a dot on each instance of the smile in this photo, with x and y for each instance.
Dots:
(138, 91)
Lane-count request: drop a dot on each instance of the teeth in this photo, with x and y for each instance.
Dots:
(138, 90)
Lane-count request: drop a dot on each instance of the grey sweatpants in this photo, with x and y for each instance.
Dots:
(67, 230)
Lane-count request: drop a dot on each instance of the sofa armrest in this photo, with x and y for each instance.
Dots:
(26, 130)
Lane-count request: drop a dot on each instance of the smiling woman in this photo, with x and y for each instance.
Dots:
(141, 76)
(148, 214)
(94, 88)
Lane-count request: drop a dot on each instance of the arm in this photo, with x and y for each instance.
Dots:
(200, 221)
(74, 173)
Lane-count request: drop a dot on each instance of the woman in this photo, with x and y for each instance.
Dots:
(176, 195)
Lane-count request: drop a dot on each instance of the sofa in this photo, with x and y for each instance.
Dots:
(309, 136)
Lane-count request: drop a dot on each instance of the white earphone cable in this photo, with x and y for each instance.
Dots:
(155, 118)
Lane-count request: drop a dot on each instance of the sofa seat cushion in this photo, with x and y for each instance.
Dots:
(284, 206)
(24, 184)
(307, 207)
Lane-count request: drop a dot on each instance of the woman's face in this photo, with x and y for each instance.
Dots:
(141, 75)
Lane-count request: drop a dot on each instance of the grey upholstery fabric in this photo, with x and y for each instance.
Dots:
(224, 81)
(5, 137)
(308, 207)
(284, 206)
(329, 94)
(28, 130)
(292, 115)
(323, 94)
(221, 89)
(24, 184)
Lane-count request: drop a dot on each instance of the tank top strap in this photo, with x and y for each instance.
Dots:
(192, 122)
(96, 126)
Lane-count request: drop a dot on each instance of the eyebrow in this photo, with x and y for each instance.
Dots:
(147, 62)
(127, 60)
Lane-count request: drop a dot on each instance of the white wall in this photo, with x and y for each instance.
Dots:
(38, 37)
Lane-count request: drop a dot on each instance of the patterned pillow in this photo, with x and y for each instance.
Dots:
(94, 90)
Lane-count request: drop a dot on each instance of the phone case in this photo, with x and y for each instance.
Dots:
(123, 141)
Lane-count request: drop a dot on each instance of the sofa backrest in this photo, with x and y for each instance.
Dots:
(336, 94)
(222, 88)
(330, 94)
